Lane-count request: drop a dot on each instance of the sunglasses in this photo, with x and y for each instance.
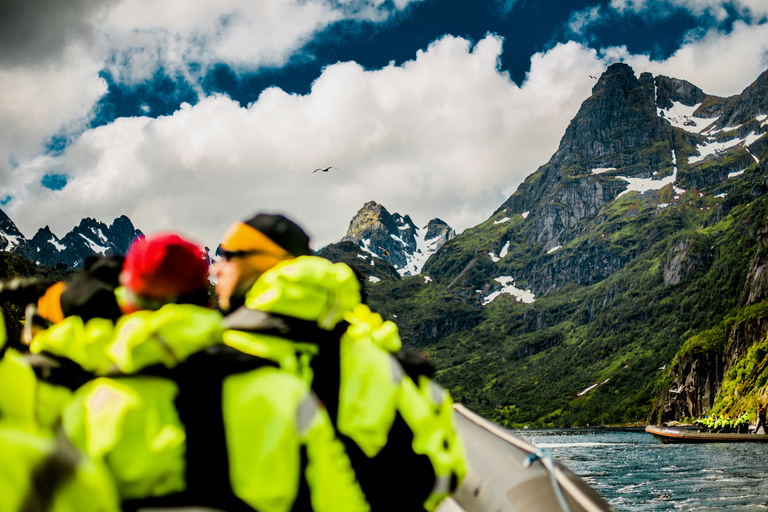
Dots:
(228, 255)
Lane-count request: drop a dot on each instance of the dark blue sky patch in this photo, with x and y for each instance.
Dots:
(158, 97)
(57, 144)
(527, 28)
(4, 201)
(54, 181)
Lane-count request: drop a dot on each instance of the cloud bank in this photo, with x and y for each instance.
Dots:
(446, 134)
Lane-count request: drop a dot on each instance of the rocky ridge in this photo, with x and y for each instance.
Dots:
(570, 302)
(396, 239)
(90, 237)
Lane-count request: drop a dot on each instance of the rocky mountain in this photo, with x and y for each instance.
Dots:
(10, 236)
(636, 241)
(396, 239)
(89, 237)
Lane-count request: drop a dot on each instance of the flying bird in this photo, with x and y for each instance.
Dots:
(325, 170)
(386, 253)
(593, 77)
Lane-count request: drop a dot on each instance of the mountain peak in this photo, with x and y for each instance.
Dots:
(395, 238)
(87, 238)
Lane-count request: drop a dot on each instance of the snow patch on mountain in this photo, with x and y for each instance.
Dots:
(714, 147)
(96, 248)
(508, 287)
(424, 249)
(681, 116)
(59, 246)
(12, 242)
(504, 251)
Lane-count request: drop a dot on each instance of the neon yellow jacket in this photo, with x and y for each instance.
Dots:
(373, 390)
(138, 423)
(38, 470)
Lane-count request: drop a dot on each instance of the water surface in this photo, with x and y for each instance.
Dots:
(635, 472)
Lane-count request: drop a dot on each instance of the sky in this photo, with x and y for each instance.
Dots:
(188, 116)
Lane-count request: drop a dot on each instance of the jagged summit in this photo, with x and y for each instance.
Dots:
(638, 134)
(10, 236)
(395, 238)
(87, 238)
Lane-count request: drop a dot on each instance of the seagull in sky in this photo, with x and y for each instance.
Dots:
(593, 77)
(325, 170)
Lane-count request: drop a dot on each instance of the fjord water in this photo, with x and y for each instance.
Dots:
(635, 472)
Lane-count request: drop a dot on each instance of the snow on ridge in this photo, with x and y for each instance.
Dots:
(554, 249)
(501, 221)
(373, 279)
(59, 246)
(504, 250)
(681, 116)
(737, 173)
(644, 185)
(714, 148)
(508, 287)
(424, 249)
(398, 239)
(524, 215)
(601, 170)
(99, 234)
(502, 253)
(13, 241)
(94, 246)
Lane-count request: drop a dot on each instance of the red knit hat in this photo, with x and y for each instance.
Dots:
(164, 266)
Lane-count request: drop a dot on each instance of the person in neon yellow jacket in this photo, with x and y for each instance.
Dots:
(40, 470)
(306, 314)
(182, 420)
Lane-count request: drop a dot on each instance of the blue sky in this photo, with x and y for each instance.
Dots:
(188, 117)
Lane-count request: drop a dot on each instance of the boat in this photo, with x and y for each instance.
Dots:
(670, 435)
(506, 474)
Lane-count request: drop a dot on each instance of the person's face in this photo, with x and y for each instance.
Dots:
(233, 274)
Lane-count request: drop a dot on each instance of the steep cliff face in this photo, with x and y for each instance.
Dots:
(636, 236)
(697, 376)
(619, 118)
(741, 109)
(10, 236)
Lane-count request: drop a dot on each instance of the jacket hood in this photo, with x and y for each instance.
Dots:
(309, 288)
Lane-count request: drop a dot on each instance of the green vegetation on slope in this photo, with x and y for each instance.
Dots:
(592, 353)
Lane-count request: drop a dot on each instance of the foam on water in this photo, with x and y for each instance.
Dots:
(635, 472)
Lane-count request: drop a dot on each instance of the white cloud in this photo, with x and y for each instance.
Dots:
(580, 21)
(145, 35)
(714, 8)
(412, 137)
(718, 63)
(51, 52)
(444, 135)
